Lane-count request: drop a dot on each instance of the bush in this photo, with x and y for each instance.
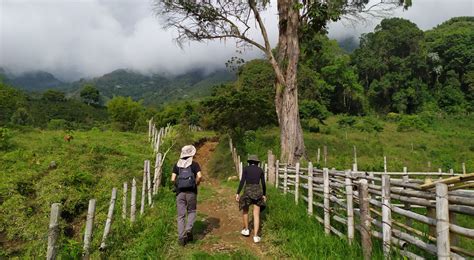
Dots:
(57, 124)
(5, 138)
(369, 124)
(410, 123)
(347, 121)
(393, 117)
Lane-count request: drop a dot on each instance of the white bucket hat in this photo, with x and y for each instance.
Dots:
(186, 157)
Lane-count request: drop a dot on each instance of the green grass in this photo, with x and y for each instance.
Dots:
(446, 144)
(87, 167)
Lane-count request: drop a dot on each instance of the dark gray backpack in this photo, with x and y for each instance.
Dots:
(186, 178)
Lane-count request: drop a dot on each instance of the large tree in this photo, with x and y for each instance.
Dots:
(208, 20)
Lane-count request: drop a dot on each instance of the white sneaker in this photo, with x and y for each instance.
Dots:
(257, 239)
(245, 232)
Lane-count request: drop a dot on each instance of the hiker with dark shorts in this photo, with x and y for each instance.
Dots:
(186, 178)
(254, 194)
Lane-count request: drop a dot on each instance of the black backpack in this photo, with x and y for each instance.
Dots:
(186, 178)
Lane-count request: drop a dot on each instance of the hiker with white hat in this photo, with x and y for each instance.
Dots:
(254, 194)
(186, 177)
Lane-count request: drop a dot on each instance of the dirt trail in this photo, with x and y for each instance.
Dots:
(222, 218)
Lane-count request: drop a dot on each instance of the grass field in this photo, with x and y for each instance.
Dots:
(446, 144)
(87, 167)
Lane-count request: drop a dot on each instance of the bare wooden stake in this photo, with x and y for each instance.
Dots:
(407, 206)
(297, 182)
(463, 168)
(325, 155)
(285, 179)
(350, 208)
(327, 215)
(53, 232)
(442, 222)
(133, 201)
(310, 188)
(365, 219)
(157, 174)
(148, 181)
(386, 216)
(277, 173)
(319, 156)
(355, 155)
(89, 229)
(108, 222)
(142, 201)
(241, 170)
(124, 200)
(265, 170)
(271, 167)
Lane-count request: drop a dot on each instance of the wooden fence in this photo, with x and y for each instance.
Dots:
(410, 212)
(150, 187)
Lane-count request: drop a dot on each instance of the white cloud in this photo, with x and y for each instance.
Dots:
(86, 38)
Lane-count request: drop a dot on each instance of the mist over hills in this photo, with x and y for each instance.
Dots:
(154, 89)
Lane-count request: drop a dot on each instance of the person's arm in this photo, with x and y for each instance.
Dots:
(174, 174)
(264, 186)
(198, 177)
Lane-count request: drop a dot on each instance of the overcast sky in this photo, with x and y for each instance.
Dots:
(87, 38)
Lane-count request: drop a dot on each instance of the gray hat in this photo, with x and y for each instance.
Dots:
(253, 158)
(187, 151)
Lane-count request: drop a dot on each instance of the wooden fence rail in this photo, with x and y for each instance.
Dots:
(391, 206)
(149, 186)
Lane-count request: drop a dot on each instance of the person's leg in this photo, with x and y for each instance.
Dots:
(256, 219)
(191, 199)
(245, 217)
(181, 208)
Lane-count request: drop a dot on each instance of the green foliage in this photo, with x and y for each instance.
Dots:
(90, 95)
(57, 124)
(370, 125)
(21, 117)
(312, 125)
(127, 113)
(347, 121)
(411, 122)
(5, 138)
(53, 96)
(310, 109)
(10, 101)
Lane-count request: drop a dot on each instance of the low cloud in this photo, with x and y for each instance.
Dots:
(87, 38)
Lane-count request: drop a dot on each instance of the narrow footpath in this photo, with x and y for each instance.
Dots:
(217, 229)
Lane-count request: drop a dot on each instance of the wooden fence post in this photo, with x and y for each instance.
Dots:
(89, 229)
(442, 222)
(108, 222)
(365, 220)
(407, 206)
(271, 167)
(325, 151)
(310, 188)
(53, 232)
(124, 200)
(277, 173)
(354, 166)
(148, 181)
(157, 175)
(133, 201)
(318, 158)
(327, 215)
(241, 170)
(350, 208)
(142, 201)
(386, 216)
(285, 179)
(297, 182)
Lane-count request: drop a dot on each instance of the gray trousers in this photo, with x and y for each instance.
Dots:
(186, 203)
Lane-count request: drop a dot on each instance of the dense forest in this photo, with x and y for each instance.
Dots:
(398, 71)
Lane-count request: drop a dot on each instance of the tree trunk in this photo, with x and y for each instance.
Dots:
(286, 96)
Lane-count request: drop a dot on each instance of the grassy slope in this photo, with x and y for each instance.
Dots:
(88, 167)
(447, 144)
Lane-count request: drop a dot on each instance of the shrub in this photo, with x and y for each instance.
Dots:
(393, 117)
(5, 138)
(369, 124)
(410, 123)
(347, 121)
(57, 124)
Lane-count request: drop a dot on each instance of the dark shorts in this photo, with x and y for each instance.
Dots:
(253, 195)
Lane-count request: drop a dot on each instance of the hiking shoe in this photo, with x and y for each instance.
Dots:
(189, 236)
(181, 242)
(245, 232)
(257, 239)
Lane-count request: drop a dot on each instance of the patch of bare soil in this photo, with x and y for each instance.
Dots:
(223, 219)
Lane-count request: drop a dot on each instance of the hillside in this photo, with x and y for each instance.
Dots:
(35, 81)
